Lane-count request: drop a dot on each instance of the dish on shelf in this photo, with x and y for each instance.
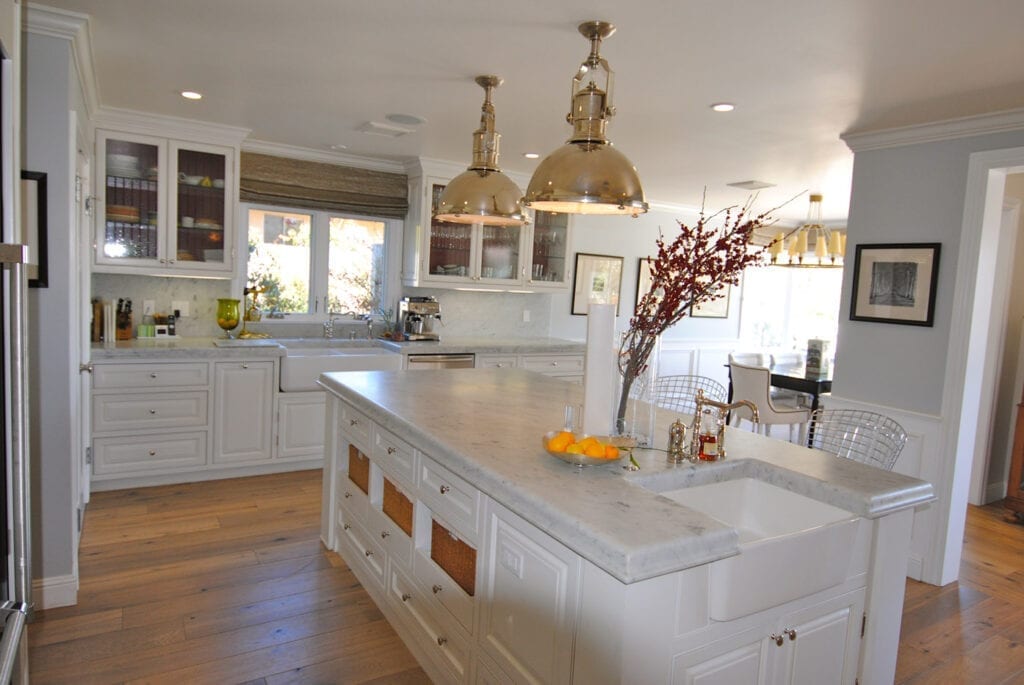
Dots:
(582, 459)
(185, 256)
(218, 183)
(208, 224)
(190, 180)
(122, 213)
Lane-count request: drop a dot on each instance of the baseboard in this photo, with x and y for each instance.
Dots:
(228, 471)
(915, 567)
(995, 492)
(50, 593)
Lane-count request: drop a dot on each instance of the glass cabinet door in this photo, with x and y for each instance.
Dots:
(200, 206)
(550, 243)
(499, 252)
(450, 245)
(131, 194)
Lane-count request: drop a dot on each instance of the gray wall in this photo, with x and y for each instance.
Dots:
(48, 83)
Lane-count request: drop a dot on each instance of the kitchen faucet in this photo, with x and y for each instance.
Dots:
(329, 324)
(701, 402)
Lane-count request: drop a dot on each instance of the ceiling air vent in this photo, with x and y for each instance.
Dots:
(387, 130)
(751, 185)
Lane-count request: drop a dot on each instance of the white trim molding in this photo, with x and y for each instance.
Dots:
(73, 27)
(59, 591)
(964, 127)
(145, 123)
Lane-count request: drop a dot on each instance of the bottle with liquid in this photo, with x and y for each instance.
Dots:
(708, 438)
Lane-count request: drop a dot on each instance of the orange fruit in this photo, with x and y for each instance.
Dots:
(574, 448)
(559, 441)
(611, 452)
(587, 442)
(594, 449)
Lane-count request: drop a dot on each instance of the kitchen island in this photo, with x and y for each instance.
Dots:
(498, 563)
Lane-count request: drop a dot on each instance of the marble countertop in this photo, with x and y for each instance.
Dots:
(276, 347)
(486, 425)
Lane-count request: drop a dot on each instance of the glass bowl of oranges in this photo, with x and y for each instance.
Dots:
(582, 449)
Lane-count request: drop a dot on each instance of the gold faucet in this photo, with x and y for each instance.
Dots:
(701, 402)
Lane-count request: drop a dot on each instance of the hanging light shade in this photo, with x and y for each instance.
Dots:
(482, 194)
(588, 175)
(811, 245)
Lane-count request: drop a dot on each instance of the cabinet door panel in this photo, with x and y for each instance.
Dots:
(825, 644)
(529, 613)
(300, 425)
(132, 197)
(243, 409)
(741, 666)
(200, 217)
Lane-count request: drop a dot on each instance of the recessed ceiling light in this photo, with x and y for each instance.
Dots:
(405, 119)
(752, 185)
(723, 107)
(375, 128)
(531, 155)
(339, 146)
(191, 95)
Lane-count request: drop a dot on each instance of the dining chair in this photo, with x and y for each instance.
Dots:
(753, 383)
(750, 358)
(792, 359)
(678, 393)
(863, 436)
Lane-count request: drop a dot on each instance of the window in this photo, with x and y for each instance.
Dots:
(311, 264)
(784, 307)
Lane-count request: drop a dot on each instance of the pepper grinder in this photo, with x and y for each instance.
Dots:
(677, 442)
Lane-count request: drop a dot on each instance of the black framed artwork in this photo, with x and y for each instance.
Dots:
(895, 283)
(33, 224)
(598, 279)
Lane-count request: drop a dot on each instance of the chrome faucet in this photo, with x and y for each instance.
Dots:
(329, 325)
(701, 403)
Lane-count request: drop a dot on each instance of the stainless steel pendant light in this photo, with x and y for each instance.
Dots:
(482, 194)
(587, 175)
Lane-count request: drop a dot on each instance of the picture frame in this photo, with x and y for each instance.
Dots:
(597, 278)
(643, 279)
(895, 283)
(33, 222)
(716, 309)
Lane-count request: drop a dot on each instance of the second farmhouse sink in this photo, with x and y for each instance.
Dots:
(304, 362)
(790, 545)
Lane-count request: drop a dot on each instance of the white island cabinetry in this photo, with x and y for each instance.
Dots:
(463, 555)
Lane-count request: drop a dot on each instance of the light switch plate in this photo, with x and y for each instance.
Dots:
(180, 306)
(148, 307)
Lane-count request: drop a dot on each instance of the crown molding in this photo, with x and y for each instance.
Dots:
(73, 27)
(963, 127)
(162, 125)
(326, 156)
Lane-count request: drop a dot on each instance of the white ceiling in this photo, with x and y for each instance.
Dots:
(309, 72)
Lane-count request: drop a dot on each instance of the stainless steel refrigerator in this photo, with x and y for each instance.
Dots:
(15, 571)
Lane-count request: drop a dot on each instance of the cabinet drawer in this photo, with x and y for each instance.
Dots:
(438, 586)
(554, 365)
(450, 497)
(154, 453)
(359, 549)
(351, 498)
(146, 376)
(489, 361)
(392, 538)
(149, 411)
(355, 427)
(445, 644)
(394, 455)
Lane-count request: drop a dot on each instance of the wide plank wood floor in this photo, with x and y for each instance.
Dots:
(215, 582)
(227, 582)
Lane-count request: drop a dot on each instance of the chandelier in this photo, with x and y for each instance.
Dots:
(813, 244)
(588, 175)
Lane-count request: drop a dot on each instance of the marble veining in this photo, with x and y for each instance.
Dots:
(485, 426)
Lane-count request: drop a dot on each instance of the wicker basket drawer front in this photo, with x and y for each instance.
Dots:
(442, 577)
(359, 549)
(394, 454)
(445, 644)
(452, 498)
(355, 427)
(359, 469)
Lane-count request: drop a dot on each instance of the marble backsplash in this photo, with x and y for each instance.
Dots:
(476, 314)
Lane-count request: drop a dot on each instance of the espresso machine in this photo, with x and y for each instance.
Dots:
(417, 317)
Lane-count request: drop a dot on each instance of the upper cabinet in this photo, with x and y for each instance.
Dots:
(446, 255)
(165, 206)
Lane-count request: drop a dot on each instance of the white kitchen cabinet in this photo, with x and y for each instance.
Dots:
(529, 600)
(568, 367)
(166, 197)
(549, 267)
(300, 424)
(243, 406)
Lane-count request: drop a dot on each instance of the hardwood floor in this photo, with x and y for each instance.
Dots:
(226, 582)
(215, 582)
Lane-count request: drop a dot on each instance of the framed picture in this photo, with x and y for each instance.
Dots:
(598, 279)
(33, 221)
(643, 279)
(895, 283)
(716, 309)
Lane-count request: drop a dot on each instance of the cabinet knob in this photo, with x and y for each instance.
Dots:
(777, 638)
(347, 495)
(152, 453)
(385, 535)
(353, 422)
(442, 641)
(245, 366)
(152, 411)
(406, 596)
(436, 589)
(152, 375)
(345, 526)
(554, 363)
(368, 553)
(500, 365)
(445, 489)
(791, 633)
(170, 261)
(392, 450)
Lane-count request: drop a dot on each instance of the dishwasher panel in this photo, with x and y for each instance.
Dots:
(442, 361)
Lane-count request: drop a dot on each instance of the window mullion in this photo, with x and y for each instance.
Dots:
(318, 255)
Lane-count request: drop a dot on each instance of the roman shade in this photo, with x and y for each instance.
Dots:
(267, 179)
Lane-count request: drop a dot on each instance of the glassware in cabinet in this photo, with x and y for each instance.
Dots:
(549, 266)
(131, 200)
(200, 205)
(450, 245)
(499, 257)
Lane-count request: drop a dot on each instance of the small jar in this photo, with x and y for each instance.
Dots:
(708, 438)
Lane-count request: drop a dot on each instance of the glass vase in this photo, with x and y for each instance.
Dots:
(228, 313)
(635, 418)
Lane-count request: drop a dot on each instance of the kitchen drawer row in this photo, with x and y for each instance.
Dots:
(480, 595)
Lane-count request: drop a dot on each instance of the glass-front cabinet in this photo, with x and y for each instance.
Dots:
(549, 254)
(165, 206)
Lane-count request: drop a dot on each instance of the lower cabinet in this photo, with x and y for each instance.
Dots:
(568, 367)
(242, 410)
(300, 424)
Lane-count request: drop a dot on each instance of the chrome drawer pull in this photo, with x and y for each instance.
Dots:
(436, 589)
(345, 526)
(347, 495)
(152, 411)
(353, 422)
(152, 375)
(391, 450)
(368, 554)
(406, 596)
(442, 641)
(554, 363)
(791, 633)
(385, 535)
(777, 638)
(152, 453)
(445, 489)
(245, 366)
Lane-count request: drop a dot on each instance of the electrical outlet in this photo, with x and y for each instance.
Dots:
(148, 307)
(180, 306)
(526, 316)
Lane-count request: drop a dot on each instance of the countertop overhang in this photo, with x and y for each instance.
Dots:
(486, 425)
